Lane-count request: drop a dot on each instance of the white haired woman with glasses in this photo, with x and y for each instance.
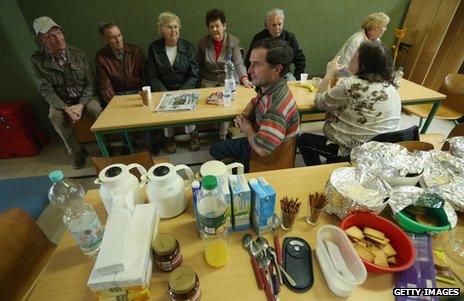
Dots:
(172, 66)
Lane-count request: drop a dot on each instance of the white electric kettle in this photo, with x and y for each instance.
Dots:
(166, 188)
(116, 179)
(219, 169)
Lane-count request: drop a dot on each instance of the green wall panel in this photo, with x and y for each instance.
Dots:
(321, 26)
(16, 79)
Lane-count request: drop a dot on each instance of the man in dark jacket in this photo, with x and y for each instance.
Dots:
(274, 28)
(66, 83)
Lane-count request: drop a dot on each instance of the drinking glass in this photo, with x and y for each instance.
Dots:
(313, 214)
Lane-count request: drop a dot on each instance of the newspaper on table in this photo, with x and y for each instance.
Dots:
(178, 101)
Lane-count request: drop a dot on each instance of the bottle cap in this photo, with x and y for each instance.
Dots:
(56, 176)
(195, 184)
(210, 182)
(182, 280)
(164, 244)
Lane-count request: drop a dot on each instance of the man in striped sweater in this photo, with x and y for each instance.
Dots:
(272, 116)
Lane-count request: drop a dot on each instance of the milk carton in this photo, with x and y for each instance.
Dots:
(224, 186)
(241, 202)
(263, 198)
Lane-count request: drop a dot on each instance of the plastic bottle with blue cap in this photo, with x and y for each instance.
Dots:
(80, 217)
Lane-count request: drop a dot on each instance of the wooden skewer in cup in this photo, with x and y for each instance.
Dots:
(316, 203)
(289, 208)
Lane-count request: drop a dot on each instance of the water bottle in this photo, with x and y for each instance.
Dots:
(227, 94)
(399, 75)
(79, 217)
(230, 76)
(212, 209)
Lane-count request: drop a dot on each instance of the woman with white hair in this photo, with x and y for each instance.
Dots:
(172, 66)
(372, 28)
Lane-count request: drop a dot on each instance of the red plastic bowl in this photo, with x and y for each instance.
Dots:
(399, 240)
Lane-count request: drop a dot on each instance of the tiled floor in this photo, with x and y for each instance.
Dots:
(54, 156)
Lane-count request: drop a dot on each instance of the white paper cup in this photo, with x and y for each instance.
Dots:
(303, 78)
(147, 90)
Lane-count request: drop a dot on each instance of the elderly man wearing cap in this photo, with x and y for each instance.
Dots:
(66, 82)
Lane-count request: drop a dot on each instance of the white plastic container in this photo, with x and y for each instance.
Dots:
(338, 284)
(402, 181)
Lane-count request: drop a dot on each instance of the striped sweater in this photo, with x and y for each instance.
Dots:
(276, 116)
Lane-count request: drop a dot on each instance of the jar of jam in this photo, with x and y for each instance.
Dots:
(184, 285)
(167, 252)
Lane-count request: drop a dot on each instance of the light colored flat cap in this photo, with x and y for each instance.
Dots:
(44, 24)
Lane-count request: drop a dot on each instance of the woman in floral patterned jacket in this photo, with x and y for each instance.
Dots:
(358, 108)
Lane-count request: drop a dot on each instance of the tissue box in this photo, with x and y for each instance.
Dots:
(111, 256)
(137, 252)
(263, 198)
(241, 202)
(139, 293)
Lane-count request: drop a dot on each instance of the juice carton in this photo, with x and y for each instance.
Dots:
(241, 202)
(263, 198)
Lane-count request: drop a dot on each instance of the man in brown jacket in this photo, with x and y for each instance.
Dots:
(121, 68)
(65, 82)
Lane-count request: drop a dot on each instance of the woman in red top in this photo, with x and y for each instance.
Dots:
(212, 54)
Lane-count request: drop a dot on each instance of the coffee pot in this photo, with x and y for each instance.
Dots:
(166, 188)
(116, 179)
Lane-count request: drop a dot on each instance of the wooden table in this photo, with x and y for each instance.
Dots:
(125, 113)
(66, 275)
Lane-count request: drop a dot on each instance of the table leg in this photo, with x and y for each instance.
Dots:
(436, 105)
(128, 141)
(101, 144)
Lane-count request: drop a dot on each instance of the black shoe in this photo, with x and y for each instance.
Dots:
(79, 159)
(153, 149)
(194, 141)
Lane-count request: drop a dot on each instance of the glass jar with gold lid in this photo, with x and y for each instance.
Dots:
(184, 285)
(167, 252)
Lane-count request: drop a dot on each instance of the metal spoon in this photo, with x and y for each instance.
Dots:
(275, 226)
(287, 276)
(255, 250)
(263, 244)
(249, 244)
(246, 241)
(272, 253)
(264, 264)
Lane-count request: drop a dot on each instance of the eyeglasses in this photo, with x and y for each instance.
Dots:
(171, 27)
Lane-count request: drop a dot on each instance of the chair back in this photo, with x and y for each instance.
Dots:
(24, 254)
(457, 131)
(282, 157)
(409, 134)
(416, 145)
(453, 88)
(143, 158)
